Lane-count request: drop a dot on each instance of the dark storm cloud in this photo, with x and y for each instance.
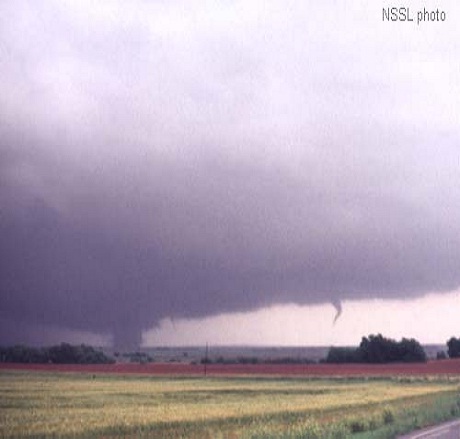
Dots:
(172, 160)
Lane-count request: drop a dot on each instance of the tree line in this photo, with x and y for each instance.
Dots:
(379, 349)
(372, 349)
(58, 354)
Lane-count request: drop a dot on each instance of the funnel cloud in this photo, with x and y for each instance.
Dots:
(187, 159)
(338, 308)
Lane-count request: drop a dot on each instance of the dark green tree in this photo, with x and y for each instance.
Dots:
(342, 355)
(378, 349)
(453, 348)
(60, 354)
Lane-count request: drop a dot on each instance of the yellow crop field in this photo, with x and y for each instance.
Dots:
(34, 404)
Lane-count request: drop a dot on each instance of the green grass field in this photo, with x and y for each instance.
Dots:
(34, 404)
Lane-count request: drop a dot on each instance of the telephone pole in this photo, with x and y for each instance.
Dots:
(206, 360)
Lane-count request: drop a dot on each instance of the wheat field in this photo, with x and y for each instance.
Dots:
(34, 404)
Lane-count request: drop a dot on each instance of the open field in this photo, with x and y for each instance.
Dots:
(441, 367)
(52, 404)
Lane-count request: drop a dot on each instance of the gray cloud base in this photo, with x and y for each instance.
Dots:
(158, 163)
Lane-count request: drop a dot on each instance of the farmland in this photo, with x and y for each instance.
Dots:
(442, 367)
(91, 404)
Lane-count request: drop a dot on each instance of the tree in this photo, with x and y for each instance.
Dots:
(22, 354)
(410, 351)
(378, 349)
(441, 355)
(342, 355)
(61, 354)
(453, 348)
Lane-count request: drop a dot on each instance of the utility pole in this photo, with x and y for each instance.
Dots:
(206, 360)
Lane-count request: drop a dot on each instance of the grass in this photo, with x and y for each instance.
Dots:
(34, 404)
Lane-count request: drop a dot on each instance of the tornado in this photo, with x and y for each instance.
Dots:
(337, 304)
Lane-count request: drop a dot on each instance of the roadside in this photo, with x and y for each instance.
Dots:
(447, 430)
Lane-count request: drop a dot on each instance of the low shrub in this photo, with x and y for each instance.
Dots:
(388, 416)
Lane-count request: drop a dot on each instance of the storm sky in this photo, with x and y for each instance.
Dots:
(183, 160)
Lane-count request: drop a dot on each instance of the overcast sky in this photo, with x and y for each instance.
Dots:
(227, 164)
